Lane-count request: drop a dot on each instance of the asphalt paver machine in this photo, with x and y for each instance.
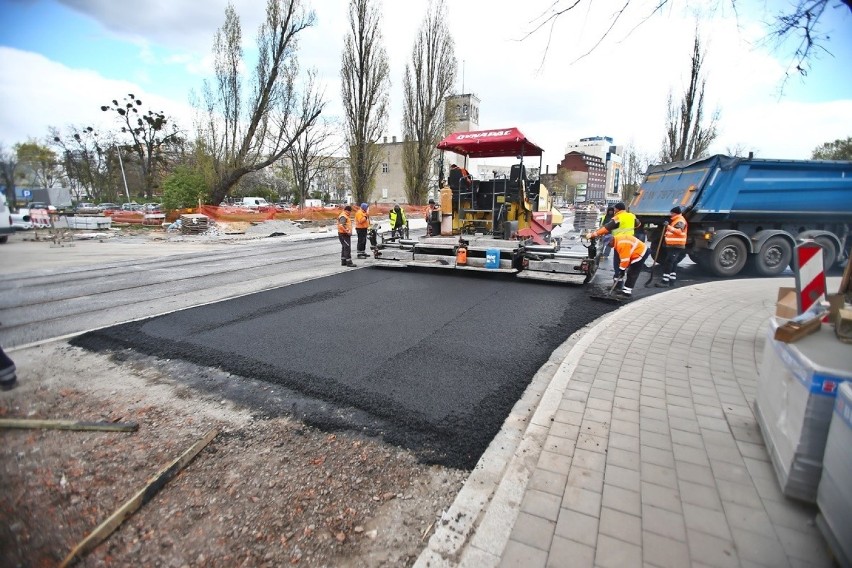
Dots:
(500, 225)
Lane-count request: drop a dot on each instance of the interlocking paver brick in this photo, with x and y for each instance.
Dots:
(578, 527)
(541, 504)
(621, 525)
(622, 499)
(665, 464)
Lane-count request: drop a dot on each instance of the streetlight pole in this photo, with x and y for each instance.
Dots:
(123, 177)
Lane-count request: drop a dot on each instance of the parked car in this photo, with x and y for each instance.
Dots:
(132, 206)
(6, 228)
(153, 207)
(41, 205)
(109, 207)
(87, 208)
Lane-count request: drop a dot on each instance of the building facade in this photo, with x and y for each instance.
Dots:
(604, 148)
(462, 115)
(588, 175)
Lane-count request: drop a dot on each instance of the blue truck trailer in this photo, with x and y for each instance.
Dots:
(748, 213)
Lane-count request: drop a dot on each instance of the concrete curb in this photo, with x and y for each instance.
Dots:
(476, 527)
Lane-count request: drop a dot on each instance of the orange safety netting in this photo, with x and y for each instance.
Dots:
(241, 214)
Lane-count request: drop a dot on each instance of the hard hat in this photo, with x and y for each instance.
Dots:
(676, 210)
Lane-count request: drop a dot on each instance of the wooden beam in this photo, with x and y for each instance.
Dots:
(140, 498)
(27, 423)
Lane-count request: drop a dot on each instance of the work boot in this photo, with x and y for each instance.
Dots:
(350, 264)
(663, 284)
(342, 262)
(8, 376)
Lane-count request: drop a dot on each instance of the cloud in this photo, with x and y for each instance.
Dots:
(45, 93)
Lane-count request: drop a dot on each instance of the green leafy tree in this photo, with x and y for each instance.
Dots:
(837, 150)
(183, 188)
(38, 163)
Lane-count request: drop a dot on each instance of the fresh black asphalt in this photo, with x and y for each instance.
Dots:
(432, 361)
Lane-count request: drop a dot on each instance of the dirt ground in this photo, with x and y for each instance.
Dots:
(264, 492)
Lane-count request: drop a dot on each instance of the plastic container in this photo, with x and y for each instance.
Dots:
(461, 256)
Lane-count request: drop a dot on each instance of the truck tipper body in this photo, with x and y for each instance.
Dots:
(751, 213)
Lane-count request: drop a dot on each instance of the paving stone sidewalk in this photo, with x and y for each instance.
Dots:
(644, 450)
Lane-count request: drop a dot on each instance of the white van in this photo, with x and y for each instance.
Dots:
(6, 228)
(253, 202)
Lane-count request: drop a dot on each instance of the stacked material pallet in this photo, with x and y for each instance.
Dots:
(835, 488)
(586, 220)
(193, 224)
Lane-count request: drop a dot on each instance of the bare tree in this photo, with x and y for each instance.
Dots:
(428, 80)
(800, 21)
(249, 127)
(151, 133)
(87, 162)
(687, 135)
(310, 154)
(365, 83)
(633, 172)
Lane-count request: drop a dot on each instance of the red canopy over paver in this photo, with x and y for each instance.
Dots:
(490, 144)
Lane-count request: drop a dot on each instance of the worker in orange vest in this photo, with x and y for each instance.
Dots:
(362, 223)
(631, 259)
(675, 239)
(344, 233)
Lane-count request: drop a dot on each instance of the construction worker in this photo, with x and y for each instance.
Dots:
(397, 221)
(362, 223)
(460, 177)
(675, 241)
(433, 215)
(606, 240)
(631, 254)
(622, 223)
(344, 233)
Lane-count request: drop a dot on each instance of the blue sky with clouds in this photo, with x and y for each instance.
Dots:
(68, 57)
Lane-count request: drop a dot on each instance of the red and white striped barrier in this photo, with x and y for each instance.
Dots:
(40, 218)
(810, 275)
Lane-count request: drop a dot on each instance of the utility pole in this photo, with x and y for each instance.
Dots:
(121, 165)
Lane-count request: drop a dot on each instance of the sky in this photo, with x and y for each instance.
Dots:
(62, 59)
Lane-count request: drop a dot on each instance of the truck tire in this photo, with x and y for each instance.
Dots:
(773, 257)
(829, 251)
(728, 257)
(4, 238)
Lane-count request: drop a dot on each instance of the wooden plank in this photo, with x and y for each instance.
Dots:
(27, 423)
(140, 498)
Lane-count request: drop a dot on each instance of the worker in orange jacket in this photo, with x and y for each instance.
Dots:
(344, 233)
(362, 223)
(632, 254)
(675, 240)
(621, 223)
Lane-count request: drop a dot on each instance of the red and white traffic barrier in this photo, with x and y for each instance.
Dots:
(810, 275)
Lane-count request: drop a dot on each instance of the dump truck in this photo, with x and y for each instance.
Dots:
(501, 225)
(749, 213)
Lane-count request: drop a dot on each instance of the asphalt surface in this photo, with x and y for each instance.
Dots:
(436, 360)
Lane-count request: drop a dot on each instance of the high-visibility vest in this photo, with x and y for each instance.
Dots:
(629, 249)
(362, 221)
(392, 216)
(626, 223)
(344, 223)
(676, 232)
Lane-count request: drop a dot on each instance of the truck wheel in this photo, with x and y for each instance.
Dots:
(773, 257)
(4, 238)
(729, 257)
(829, 251)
